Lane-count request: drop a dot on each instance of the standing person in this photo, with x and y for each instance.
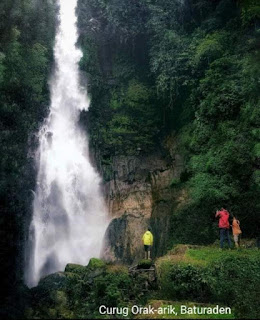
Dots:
(236, 231)
(224, 226)
(148, 242)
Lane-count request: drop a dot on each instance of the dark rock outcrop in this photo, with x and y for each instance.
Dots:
(78, 292)
(140, 194)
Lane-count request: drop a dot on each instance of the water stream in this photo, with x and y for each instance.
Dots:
(69, 217)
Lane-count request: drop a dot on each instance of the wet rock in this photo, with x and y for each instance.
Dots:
(129, 187)
(145, 274)
(75, 268)
(140, 192)
(59, 297)
(53, 281)
(123, 238)
(130, 199)
(95, 263)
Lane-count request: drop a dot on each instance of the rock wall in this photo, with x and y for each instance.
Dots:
(140, 194)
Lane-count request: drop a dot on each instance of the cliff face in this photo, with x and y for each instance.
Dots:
(139, 195)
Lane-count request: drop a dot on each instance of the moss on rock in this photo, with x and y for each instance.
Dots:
(72, 275)
(144, 264)
(95, 263)
(117, 268)
(75, 268)
(59, 297)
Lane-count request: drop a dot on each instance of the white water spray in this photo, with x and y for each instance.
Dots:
(69, 218)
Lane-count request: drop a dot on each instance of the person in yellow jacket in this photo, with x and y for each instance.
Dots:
(148, 242)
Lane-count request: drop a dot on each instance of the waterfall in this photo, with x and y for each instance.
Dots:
(69, 214)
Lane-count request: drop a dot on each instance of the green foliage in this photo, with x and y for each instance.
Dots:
(218, 82)
(175, 182)
(191, 69)
(211, 46)
(84, 289)
(144, 264)
(213, 276)
(75, 268)
(250, 11)
(95, 263)
(2, 68)
(133, 122)
(195, 223)
(37, 62)
(227, 284)
(27, 32)
(154, 68)
(111, 290)
(184, 282)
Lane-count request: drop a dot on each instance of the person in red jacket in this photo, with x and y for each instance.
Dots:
(224, 226)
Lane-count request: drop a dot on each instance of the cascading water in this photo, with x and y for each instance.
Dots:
(69, 218)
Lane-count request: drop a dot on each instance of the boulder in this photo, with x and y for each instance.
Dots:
(95, 263)
(53, 281)
(139, 194)
(123, 238)
(75, 268)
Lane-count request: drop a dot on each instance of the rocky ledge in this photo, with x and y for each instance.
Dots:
(139, 193)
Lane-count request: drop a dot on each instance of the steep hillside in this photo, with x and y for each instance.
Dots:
(175, 82)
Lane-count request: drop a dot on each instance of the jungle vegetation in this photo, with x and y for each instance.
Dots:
(155, 68)
(188, 69)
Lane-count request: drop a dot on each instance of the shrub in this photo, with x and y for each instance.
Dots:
(237, 282)
(184, 282)
(230, 278)
(95, 263)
